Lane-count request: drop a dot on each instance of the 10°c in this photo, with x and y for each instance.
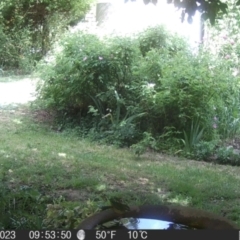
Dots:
(137, 234)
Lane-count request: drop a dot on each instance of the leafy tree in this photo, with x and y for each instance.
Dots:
(31, 25)
(210, 9)
(223, 41)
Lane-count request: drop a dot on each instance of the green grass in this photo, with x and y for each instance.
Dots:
(42, 169)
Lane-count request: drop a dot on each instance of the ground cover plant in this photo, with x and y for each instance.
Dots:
(148, 91)
(52, 179)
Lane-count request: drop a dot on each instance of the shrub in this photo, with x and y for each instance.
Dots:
(77, 73)
(229, 120)
(28, 28)
(87, 68)
(226, 155)
(152, 38)
(16, 50)
(192, 136)
(157, 37)
(210, 151)
(122, 94)
(204, 150)
(91, 77)
(148, 142)
(178, 89)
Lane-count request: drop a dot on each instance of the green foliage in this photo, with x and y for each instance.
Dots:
(94, 81)
(152, 38)
(36, 161)
(122, 130)
(16, 51)
(79, 74)
(226, 155)
(28, 28)
(204, 150)
(210, 9)
(192, 136)
(22, 208)
(177, 88)
(26, 208)
(118, 88)
(223, 38)
(87, 68)
(148, 142)
(170, 140)
(230, 122)
(212, 152)
(224, 43)
(67, 215)
(116, 129)
(157, 37)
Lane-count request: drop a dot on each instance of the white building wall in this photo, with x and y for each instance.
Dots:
(134, 16)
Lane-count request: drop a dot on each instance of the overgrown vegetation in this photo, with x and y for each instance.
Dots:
(29, 27)
(149, 91)
(54, 180)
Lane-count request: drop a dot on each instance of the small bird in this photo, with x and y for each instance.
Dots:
(118, 206)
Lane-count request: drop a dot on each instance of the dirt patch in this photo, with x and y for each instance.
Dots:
(14, 98)
(73, 195)
(44, 117)
(18, 92)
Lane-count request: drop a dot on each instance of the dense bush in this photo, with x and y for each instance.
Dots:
(156, 95)
(204, 150)
(29, 27)
(215, 152)
(223, 38)
(16, 51)
(88, 71)
(186, 88)
(92, 78)
(223, 42)
(157, 37)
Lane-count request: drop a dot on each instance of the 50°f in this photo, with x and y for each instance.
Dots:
(105, 234)
(137, 234)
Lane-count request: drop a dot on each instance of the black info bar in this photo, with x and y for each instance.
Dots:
(119, 234)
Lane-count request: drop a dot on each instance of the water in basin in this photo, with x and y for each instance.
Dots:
(143, 223)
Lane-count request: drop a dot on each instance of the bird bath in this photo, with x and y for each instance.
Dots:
(159, 217)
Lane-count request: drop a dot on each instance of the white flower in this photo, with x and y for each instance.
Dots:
(150, 85)
(62, 155)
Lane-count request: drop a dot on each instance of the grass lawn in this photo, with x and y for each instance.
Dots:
(42, 169)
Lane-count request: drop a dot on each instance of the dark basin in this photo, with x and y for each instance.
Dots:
(178, 215)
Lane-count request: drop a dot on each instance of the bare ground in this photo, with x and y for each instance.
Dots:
(17, 92)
